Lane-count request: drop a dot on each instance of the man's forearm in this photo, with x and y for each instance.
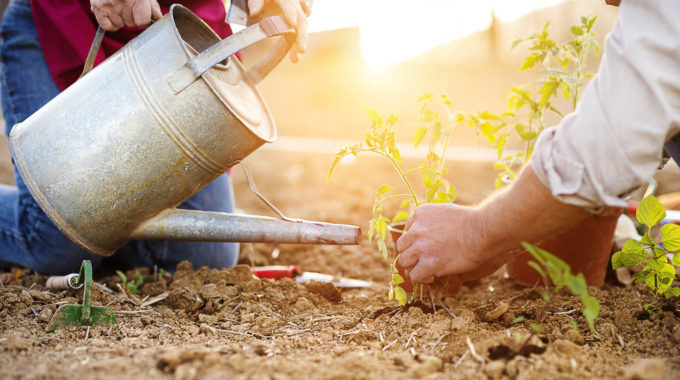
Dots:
(526, 211)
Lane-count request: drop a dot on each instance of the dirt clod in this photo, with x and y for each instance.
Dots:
(496, 313)
(646, 369)
(325, 290)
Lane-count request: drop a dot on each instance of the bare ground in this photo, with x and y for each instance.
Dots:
(223, 323)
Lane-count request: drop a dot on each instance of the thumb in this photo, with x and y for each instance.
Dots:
(156, 13)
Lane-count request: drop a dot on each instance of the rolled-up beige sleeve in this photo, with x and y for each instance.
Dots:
(613, 142)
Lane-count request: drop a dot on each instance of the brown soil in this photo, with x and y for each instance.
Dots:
(213, 324)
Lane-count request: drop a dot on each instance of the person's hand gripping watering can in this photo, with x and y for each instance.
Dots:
(115, 14)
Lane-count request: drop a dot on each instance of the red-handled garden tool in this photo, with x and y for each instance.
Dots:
(276, 272)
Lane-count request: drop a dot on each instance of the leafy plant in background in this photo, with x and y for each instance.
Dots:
(560, 70)
(657, 254)
(434, 126)
(548, 265)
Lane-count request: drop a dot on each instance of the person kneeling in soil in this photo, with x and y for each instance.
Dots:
(44, 46)
(611, 145)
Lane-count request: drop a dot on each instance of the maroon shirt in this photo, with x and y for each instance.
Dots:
(66, 29)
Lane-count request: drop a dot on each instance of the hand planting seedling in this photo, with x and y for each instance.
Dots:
(559, 69)
(548, 265)
(435, 122)
(657, 254)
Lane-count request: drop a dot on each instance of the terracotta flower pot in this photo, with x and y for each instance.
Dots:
(586, 247)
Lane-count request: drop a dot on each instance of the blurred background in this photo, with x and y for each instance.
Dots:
(384, 54)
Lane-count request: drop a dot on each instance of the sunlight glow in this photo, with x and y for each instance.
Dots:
(404, 29)
(396, 30)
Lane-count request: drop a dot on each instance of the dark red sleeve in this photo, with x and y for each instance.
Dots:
(66, 28)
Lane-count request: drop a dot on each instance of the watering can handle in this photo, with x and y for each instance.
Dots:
(192, 70)
(268, 27)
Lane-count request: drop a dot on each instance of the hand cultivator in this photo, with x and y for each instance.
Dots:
(79, 315)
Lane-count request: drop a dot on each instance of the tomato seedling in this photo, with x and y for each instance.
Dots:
(435, 124)
(657, 254)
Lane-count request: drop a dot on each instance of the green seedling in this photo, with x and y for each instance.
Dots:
(135, 286)
(651, 309)
(559, 272)
(656, 254)
(560, 69)
(435, 124)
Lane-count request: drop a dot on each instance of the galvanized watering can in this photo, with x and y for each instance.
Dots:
(110, 158)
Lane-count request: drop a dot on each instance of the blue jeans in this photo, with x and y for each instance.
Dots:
(27, 236)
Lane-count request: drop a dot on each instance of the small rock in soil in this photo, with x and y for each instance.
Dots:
(184, 299)
(325, 290)
(566, 348)
(575, 337)
(154, 288)
(45, 315)
(495, 369)
(427, 365)
(646, 369)
(496, 313)
(16, 342)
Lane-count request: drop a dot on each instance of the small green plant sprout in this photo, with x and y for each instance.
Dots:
(134, 286)
(548, 265)
(560, 69)
(657, 254)
(434, 126)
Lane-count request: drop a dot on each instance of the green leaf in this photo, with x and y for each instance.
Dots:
(390, 293)
(405, 204)
(429, 175)
(519, 319)
(420, 133)
(676, 259)
(122, 276)
(591, 309)
(537, 268)
(616, 260)
(577, 31)
(646, 240)
(486, 115)
(500, 165)
(400, 295)
(374, 116)
(631, 254)
(547, 90)
(650, 211)
(670, 236)
(424, 97)
(500, 144)
(384, 189)
(578, 285)
(397, 279)
(391, 120)
(382, 248)
(400, 217)
(530, 61)
(516, 42)
(675, 292)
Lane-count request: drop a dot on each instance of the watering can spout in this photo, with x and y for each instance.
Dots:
(190, 225)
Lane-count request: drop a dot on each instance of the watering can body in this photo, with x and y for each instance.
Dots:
(139, 135)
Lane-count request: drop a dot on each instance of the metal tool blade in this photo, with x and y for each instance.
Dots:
(340, 282)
